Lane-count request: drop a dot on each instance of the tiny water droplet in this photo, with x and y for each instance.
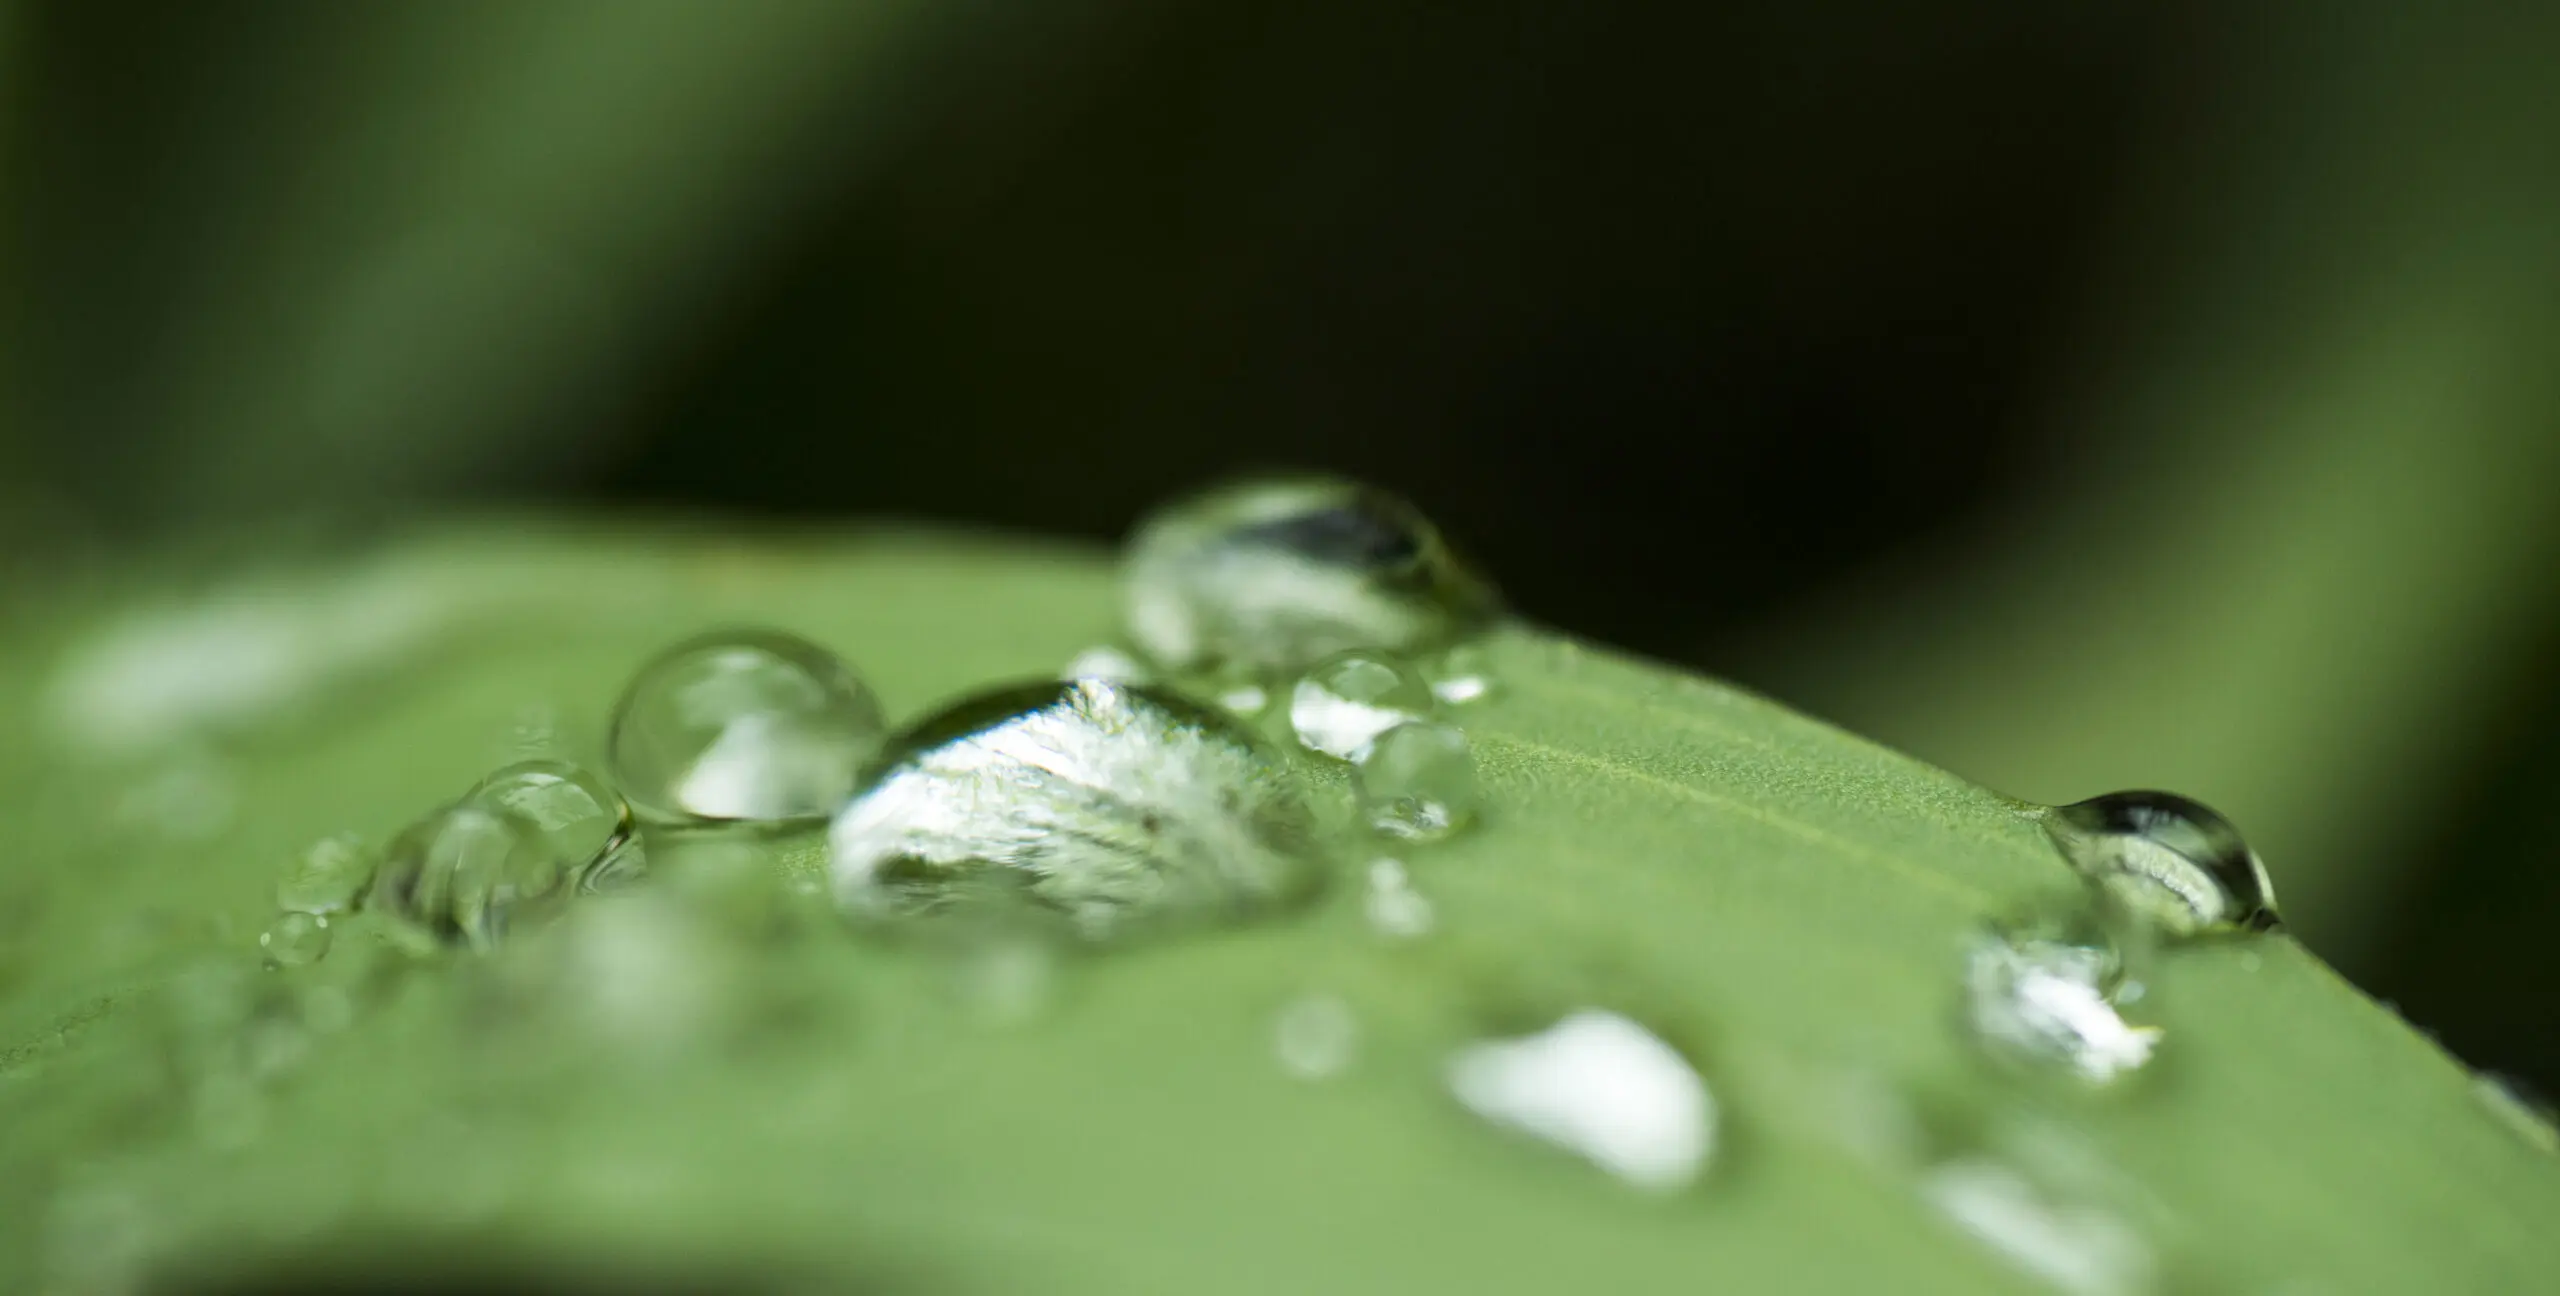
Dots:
(462, 873)
(743, 725)
(1245, 701)
(2520, 1109)
(1599, 1086)
(1315, 1037)
(295, 939)
(328, 878)
(2049, 989)
(2174, 860)
(1104, 662)
(1417, 781)
(1341, 705)
(1462, 675)
(1394, 909)
(1107, 801)
(2078, 1247)
(1275, 575)
(581, 818)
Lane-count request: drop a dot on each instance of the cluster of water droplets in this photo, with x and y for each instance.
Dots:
(1150, 785)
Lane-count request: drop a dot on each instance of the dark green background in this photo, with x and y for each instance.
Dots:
(2075, 396)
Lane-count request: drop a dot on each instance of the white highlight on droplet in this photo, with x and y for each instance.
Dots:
(1104, 662)
(1600, 1086)
(2080, 1249)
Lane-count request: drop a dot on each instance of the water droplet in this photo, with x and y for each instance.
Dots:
(1417, 781)
(1104, 800)
(295, 939)
(1394, 909)
(1462, 675)
(1601, 1087)
(462, 874)
(581, 818)
(1274, 576)
(2518, 1108)
(2076, 1246)
(1315, 1037)
(329, 877)
(1104, 662)
(743, 725)
(619, 869)
(1245, 701)
(2048, 990)
(1348, 699)
(2176, 861)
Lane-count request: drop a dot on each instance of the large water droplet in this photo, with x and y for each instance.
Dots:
(1108, 801)
(2175, 860)
(1417, 781)
(743, 725)
(463, 873)
(1274, 576)
(581, 818)
(295, 939)
(2049, 990)
(1348, 699)
(328, 878)
(1601, 1087)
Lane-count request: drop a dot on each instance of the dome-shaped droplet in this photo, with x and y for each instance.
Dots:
(2173, 860)
(1599, 1086)
(1417, 781)
(580, 816)
(1347, 700)
(463, 873)
(2049, 990)
(743, 725)
(294, 939)
(1274, 576)
(1108, 801)
(328, 877)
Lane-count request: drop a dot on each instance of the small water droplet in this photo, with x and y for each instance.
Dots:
(1341, 705)
(1107, 801)
(1315, 1037)
(462, 873)
(1245, 701)
(328, 878)
(2174, 860)
(1394, 909)
(1276, 575)
(743, 725)
(1104, 662)
(581, 818)
(1462, 675)
(295, 939)
(1417, 781)
(1601, 1087)
(2076, 1246)
(2520, 1109)
(2049, 990)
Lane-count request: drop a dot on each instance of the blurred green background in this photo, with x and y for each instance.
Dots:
(2075, 396)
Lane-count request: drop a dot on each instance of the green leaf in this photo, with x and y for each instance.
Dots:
(1785, 903)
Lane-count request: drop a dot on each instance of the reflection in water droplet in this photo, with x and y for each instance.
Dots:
(329, 877)
(2049, 991)
(1341, 705)
(2078, 1247)
(1104, 662)
(2176, 861)
(1417, 781)
(1104, 800)
(1273, 576)
(1394, 909)
(1315, 1037)
(2520, 1109)
(743, 725)
(580, 817)
(1599, 1086)
(295, 939)
(462, 874)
